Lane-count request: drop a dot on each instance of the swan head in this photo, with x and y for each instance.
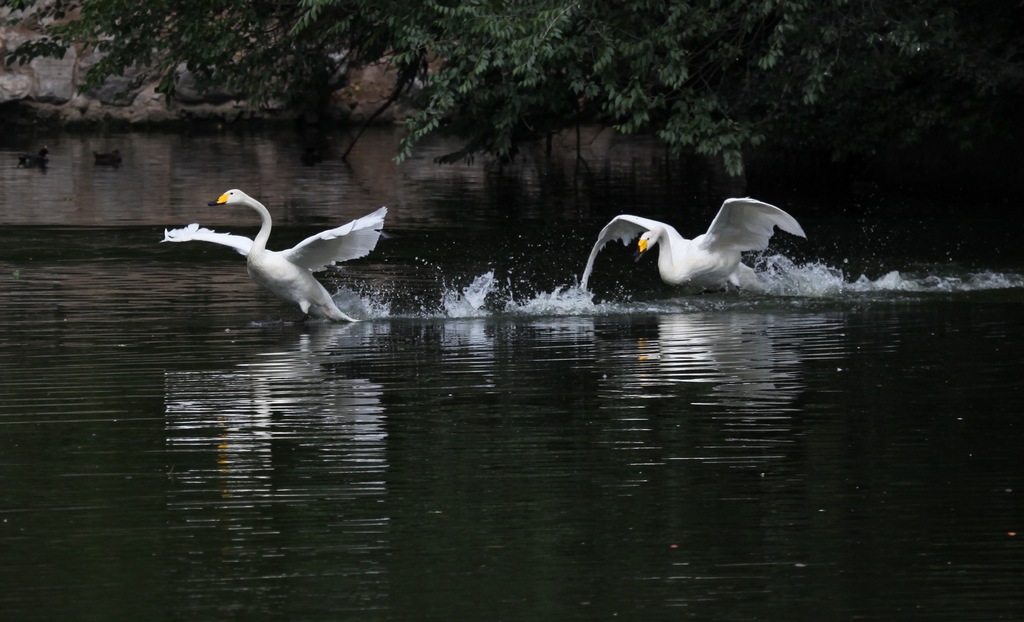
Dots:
(231, 197)
(645, 243)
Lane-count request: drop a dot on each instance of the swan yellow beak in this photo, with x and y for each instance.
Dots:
(221, 200)
(641, 247)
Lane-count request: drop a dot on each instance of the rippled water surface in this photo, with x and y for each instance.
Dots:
(491, 443)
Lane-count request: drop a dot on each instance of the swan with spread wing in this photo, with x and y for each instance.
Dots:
(710, 260)
(288, 274)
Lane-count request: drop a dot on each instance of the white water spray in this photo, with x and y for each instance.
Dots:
(799, 284)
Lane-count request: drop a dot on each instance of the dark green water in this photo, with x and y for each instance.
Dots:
(490, 444)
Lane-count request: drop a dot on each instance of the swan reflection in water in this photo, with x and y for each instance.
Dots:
(731, 379)
(292, 400)
(280, 456)
(748, 366)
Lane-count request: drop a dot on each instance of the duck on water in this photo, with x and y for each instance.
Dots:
(39, 160)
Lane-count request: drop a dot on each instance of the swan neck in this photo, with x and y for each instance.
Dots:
(660, 236)
(666, 256)
(259, 244)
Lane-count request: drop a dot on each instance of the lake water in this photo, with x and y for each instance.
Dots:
(490, 443)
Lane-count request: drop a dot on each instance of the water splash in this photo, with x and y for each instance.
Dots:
(374, 304)
(470, 301)
(784, 277)
(486, 296)
(798, 284)
(561, 301)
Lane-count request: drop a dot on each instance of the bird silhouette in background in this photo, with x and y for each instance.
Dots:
(27, 160)
(108, 159)
(312, 156)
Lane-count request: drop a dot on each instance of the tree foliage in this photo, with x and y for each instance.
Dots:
(714, 76)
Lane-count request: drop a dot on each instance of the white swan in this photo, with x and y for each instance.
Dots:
(709, 260)
(289, 274)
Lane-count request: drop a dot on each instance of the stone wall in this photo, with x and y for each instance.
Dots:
(49, 90)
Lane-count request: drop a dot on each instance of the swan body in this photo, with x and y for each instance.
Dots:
(710, 260)
(288, 274)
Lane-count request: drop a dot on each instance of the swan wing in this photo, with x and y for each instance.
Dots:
(195, 233)
(624, 228)
(747, 225)
(351, 241)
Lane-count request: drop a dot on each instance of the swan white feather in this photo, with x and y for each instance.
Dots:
(288, 274)
(195, 233)
(709, 260)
